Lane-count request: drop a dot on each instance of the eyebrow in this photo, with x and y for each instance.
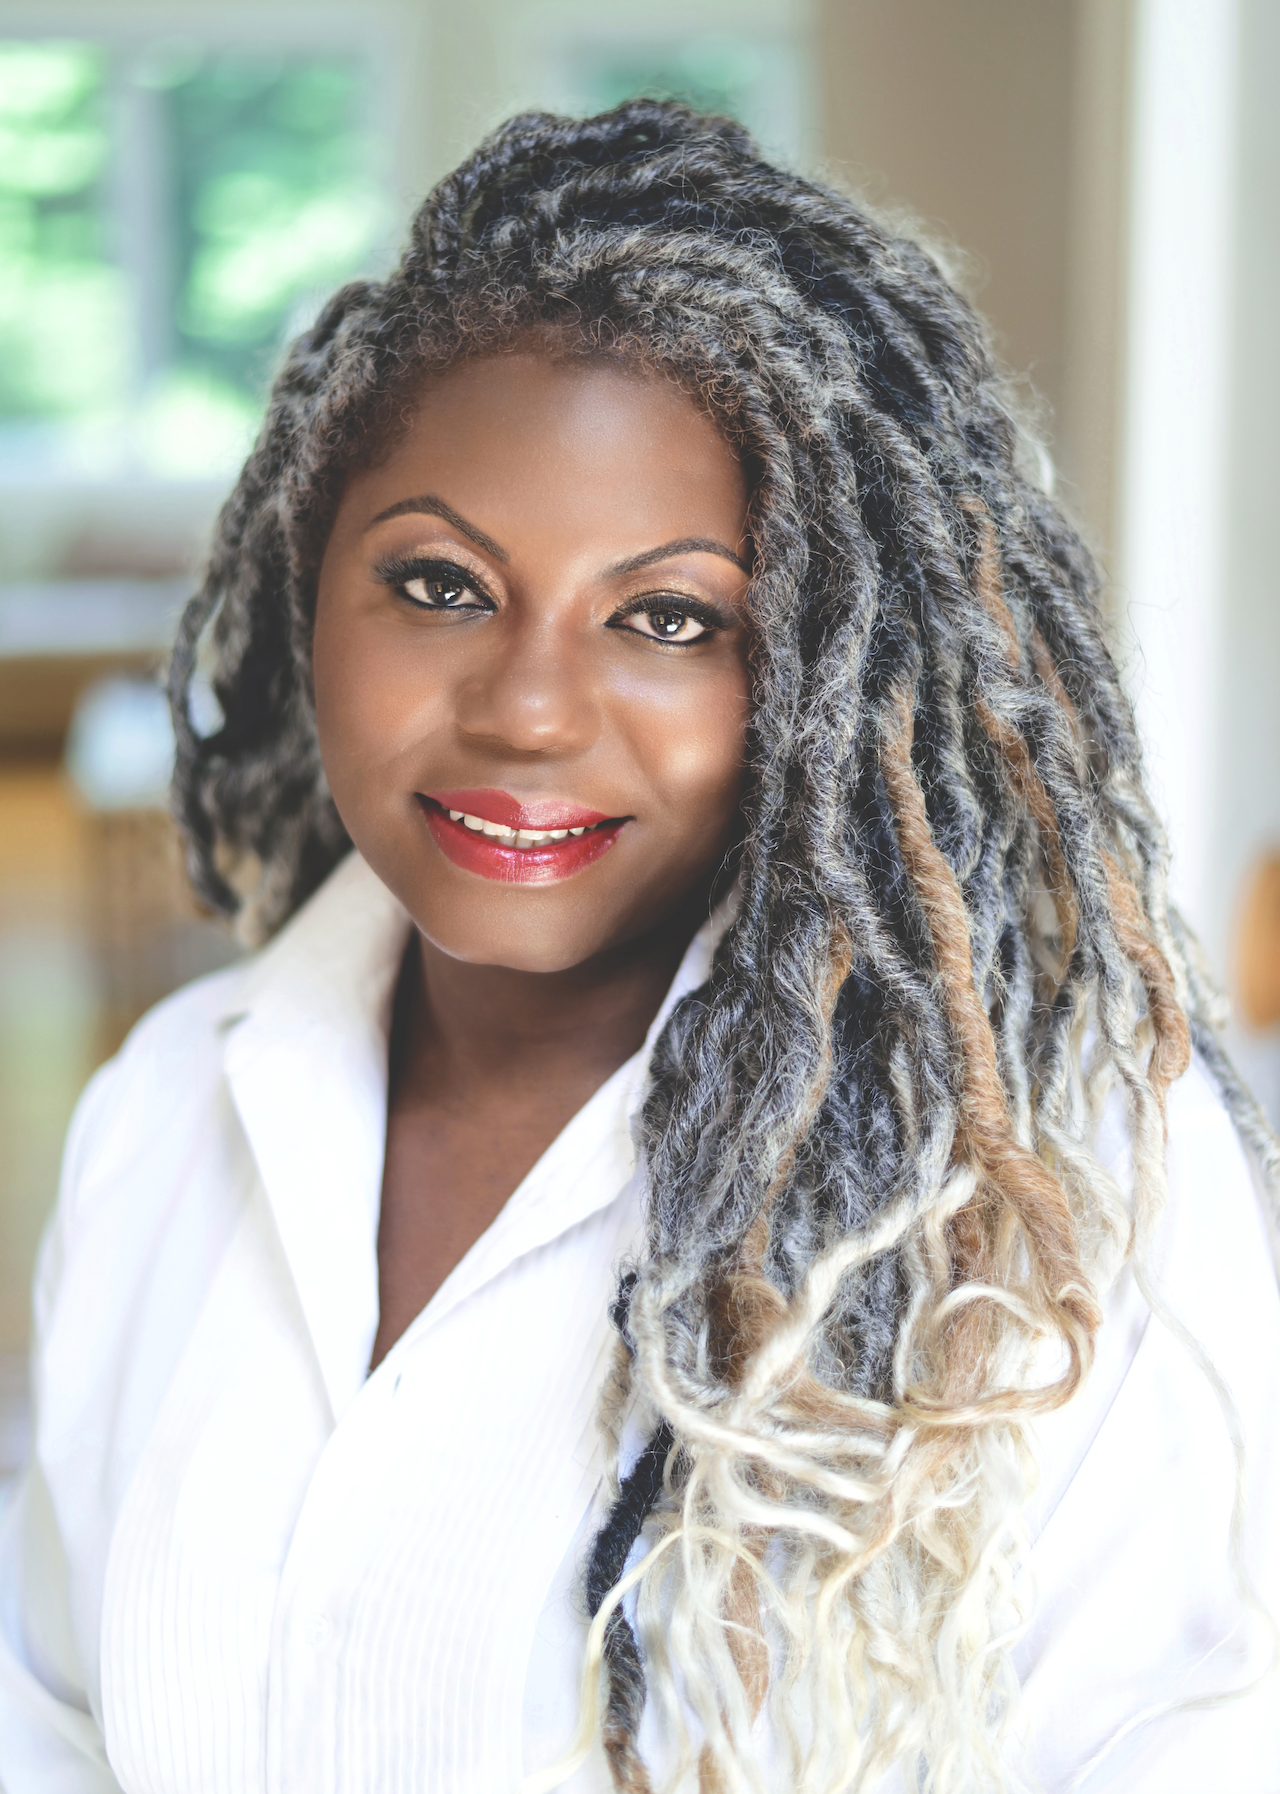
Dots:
(428, 505)
(686, 545)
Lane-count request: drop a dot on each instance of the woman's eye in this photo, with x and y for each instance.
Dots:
(665, 624)
(438, 594)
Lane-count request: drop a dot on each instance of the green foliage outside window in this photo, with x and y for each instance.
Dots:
(274, 204)
(714, 72)
(148, 302)
(64, 335)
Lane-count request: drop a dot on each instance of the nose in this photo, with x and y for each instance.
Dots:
(532, 692)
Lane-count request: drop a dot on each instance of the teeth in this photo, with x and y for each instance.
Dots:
(507, 837)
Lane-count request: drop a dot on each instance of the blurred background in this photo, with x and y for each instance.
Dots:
(181, 181)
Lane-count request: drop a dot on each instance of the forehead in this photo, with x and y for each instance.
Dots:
(545, 373)
(583, 436)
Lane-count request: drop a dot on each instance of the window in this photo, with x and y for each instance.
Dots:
(753, 76)
(62, 307)
(169, 216)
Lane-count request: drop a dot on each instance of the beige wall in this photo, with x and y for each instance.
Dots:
(998, 124)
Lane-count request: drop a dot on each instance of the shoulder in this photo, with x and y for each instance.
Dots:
(1216, 1245)
(1204, 1381)
(1143, 1528)
(156, 1149)
(1209, 1271)
(1197, 1117)
(155, 1177)
(169, 1064)
(153, 1163)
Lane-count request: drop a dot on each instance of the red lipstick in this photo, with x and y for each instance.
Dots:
(501, 807)
(533, 862)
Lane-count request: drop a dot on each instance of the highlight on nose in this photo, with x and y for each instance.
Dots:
(533, 696)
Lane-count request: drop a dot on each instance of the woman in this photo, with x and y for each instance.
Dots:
(719, 986)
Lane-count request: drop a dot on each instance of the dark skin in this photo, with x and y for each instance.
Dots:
(541, 589)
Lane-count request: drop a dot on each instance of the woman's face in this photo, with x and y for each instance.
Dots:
(531, 659)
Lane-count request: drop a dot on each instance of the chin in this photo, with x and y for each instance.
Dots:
(542, 950)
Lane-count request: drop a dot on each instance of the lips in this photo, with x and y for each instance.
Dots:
(509, 812)
(516, 849)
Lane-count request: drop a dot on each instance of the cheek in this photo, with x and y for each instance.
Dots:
(343, 697)
(695, 745)
(372, 704)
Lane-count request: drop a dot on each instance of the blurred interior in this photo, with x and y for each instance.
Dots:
(182, 181)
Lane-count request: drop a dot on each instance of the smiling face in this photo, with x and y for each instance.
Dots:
(530, 659)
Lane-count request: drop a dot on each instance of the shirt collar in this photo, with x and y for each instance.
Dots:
(305, 1055)
(306, 1030)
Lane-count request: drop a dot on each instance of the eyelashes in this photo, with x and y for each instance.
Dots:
(667, 615)
(444, 587)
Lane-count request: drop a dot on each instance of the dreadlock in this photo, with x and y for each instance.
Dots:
(877, 1233)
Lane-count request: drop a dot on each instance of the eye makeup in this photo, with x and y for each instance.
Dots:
(671, 605)
(449, 587)
(401, 572)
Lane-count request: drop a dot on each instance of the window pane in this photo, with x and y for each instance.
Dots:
(169, 216)
(714, 73)
(63, 325)
(275, 205)
(758, 78)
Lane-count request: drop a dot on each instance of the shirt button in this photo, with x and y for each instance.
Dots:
(321, 1630)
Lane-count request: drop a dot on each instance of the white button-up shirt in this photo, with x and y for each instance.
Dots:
(238, 1564)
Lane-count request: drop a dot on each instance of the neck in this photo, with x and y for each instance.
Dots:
(461, 1029)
